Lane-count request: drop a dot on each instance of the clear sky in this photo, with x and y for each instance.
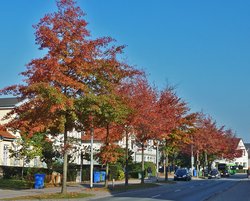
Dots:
(201, 47)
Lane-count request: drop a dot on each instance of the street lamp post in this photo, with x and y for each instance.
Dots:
(126, 165)
(192, 159)
(91, 156)
(157, 160)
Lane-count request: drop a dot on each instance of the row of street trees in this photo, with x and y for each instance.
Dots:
(81, 84)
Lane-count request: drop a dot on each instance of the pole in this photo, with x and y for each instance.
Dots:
(157, 163)
(81, 159)
(126, 165)
(192, 160)
(81, 166)
(198, 163)
(91, 156)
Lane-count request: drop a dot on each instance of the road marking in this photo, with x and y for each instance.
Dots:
(177, 190)
(156, 196)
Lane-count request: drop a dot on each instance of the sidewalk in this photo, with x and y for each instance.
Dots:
(97, 190)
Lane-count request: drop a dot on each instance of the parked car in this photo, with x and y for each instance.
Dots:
(214, 174)
(182, 174)
(224, 173)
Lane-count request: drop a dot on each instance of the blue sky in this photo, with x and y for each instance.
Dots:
(201, 47)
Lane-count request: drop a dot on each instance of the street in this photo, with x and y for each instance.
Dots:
(237, 187)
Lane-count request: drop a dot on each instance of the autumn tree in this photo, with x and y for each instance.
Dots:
(174, 124)
(141, 99)
(206, 140)
(73, 66)
(228, 148)
(107, 111)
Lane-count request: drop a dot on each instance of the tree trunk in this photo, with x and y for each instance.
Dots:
(107, 176)
(65, 164)
(198, 163)
(142, 164)
(166, 166)
(107, 164)
(23, 169)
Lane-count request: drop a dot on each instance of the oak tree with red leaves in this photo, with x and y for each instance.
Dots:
(73, 66)
(174, 123)
(108, 112)
(211, 143)
(228, 146)
(141, 98)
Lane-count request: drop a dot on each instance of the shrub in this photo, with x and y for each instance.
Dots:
(115, 171)
(135, 169)
(121, 175)
(15, 184)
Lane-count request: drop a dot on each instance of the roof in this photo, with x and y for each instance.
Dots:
(247, 145)
(6, 135)
(8, 102)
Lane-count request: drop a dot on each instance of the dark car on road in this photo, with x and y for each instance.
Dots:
(214, 174)
(182, 174)
(224, 173)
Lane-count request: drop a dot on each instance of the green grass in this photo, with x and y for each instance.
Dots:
(70, 195)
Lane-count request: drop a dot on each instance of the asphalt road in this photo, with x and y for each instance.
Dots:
(236, 187)
(239, 192)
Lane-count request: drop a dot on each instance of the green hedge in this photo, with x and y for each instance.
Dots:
(116, 172)
(15, 184)
(10, 172)
(135, 169)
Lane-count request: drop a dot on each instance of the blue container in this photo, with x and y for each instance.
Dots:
(194, 173)
(103, 176)
(97, 177)
(39, 181)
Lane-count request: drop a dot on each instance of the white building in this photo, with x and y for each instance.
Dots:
(239, 161)
(79, 144)
(8, 139)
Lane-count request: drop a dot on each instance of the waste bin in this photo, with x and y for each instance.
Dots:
(139, 175)
(97, 177)
(194, 173)
(102, 176)
(39, 181)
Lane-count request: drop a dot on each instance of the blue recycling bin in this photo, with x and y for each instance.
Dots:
(97, 177)
(39, 181)
(194, 173)
(102, 176)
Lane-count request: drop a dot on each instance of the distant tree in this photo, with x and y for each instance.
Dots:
(144, 116)
(211, 142)
(228, 144)
(174, 124)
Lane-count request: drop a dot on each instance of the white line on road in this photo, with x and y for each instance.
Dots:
(177, 190)
(156, 196)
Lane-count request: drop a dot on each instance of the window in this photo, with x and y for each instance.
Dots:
(5, 154)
